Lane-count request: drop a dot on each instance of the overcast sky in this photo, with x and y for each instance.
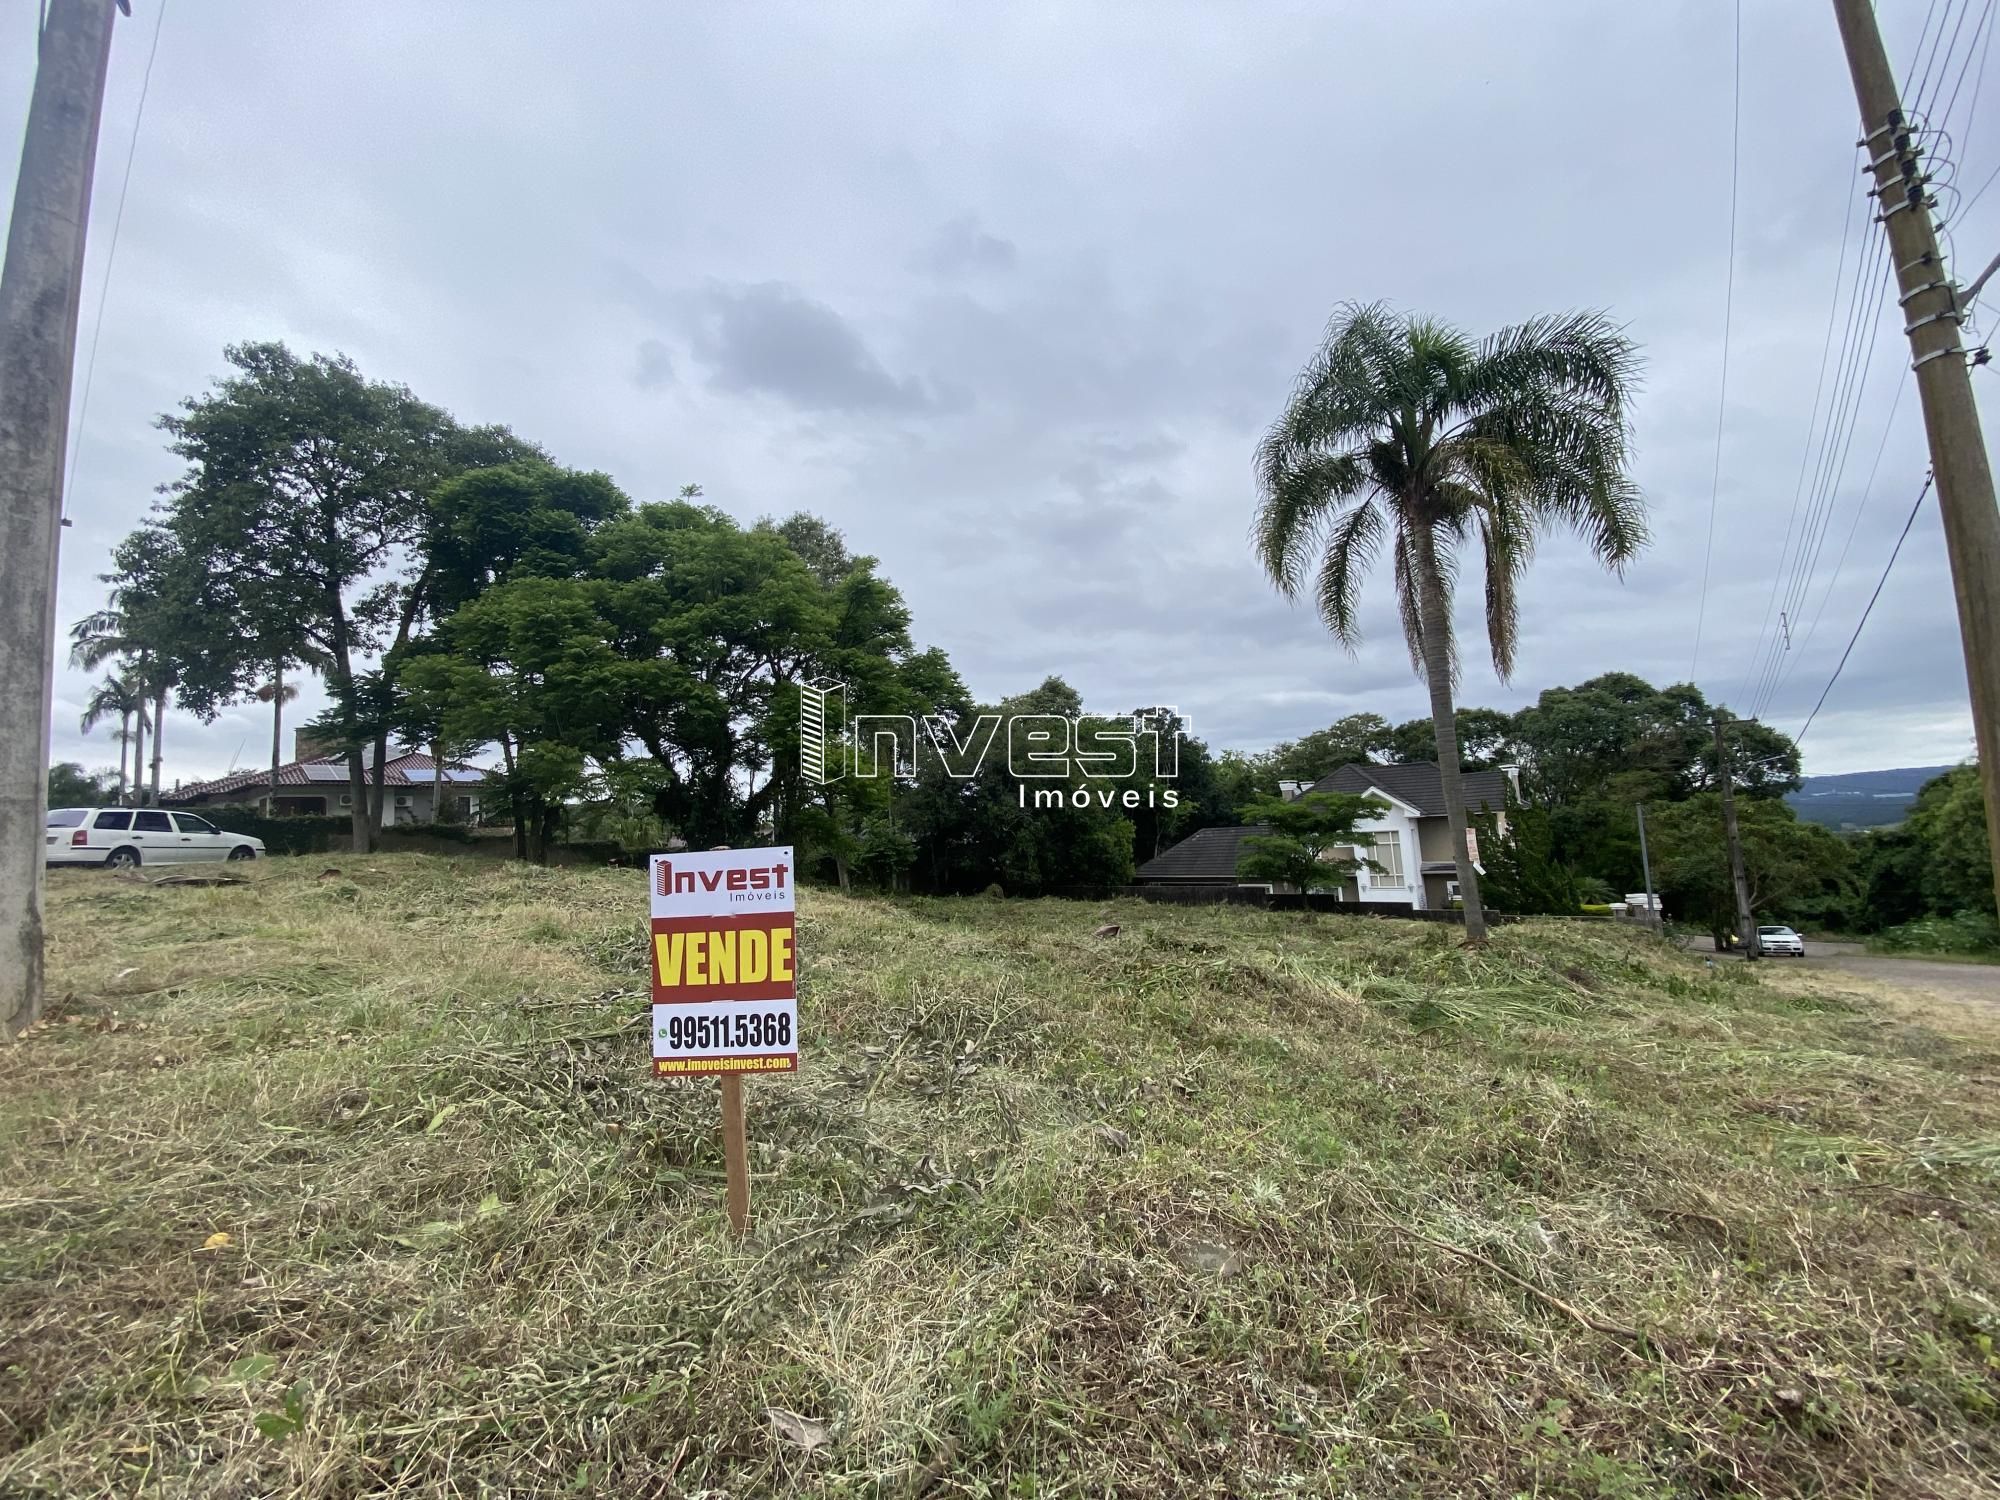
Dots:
(1008, 292)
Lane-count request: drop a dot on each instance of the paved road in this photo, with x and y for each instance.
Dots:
(1963, 984)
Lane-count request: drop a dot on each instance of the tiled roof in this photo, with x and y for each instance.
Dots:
(1208, 855)
(400, 770)
(1418, 784)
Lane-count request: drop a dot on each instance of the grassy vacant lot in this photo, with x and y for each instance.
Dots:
(1229, 1203)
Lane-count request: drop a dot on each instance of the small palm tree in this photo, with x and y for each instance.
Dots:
(119, 695)
(108, 633)
(1403, 431)
(277, 692)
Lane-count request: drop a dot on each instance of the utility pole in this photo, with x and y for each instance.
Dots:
(1653, 914)
(39, 289)
(1726, 779)
(1931, 314)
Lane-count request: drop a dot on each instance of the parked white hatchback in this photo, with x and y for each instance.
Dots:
(123, 837)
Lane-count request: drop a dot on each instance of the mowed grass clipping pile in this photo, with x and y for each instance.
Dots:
(358, 1184)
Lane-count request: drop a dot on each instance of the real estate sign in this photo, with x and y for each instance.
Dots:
(725, 963)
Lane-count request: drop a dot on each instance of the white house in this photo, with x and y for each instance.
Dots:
(1410, 839)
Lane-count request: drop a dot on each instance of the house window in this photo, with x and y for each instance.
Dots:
(1389, 855)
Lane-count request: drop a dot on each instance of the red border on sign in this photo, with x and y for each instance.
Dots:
(697, 994)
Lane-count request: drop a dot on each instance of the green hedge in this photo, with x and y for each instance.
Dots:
(452, 833)
(307, 835)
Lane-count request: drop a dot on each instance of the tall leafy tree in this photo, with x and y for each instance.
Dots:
(306, 483)
(1485, 738)
(1358, 737)
(70, 786)
(1405, 434)
(1948, 823)
(1795, 870)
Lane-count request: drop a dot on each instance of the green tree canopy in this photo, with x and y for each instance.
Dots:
(1302, 838)
(1357, 737)
(1797, 871)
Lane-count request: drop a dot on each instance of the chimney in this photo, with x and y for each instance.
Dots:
(308, 746)
(1513, 779)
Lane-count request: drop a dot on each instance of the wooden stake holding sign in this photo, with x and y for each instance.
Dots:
(725, 981)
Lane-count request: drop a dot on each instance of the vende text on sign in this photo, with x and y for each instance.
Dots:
(725, 981)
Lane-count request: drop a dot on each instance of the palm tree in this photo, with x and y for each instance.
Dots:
(1403, 431)
(96, 639)
(277, 692)
(120, 694)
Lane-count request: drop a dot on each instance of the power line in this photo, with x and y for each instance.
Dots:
(1933, 67)
(1838, 414)
(1921, 103)
(1847, 544)
(1973, 46)
(1843, 407)
(1728, 315)
(1854, 527)
(1893, 553)
(1812, 425)
(111, 257)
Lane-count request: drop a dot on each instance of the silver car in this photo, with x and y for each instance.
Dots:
(123, 837)
(1780, 942)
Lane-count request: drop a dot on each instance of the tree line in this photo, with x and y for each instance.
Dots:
(635, 665)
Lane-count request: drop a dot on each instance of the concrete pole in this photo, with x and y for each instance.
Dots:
(39, 289)
(1726, 778)
(1930, 304)
(1646, 868)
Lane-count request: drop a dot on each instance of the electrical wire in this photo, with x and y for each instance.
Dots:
(1812, 426)
(1921, 102)
(111, 257)
(1978, 32)
(1854, 527)
(1728, 315)
(1894, 552)
(1844, 403)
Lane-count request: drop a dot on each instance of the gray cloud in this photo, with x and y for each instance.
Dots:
(655, 366)
(771, 340)
(962, 247)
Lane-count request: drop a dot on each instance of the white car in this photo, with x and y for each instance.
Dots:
(1780, 941)
(124, 837)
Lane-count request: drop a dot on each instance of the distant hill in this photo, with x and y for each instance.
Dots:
(1861, 799)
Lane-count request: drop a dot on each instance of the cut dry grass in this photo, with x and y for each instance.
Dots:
(1231, 1203)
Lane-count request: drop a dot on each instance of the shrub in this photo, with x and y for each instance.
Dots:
(304, 835)
(1972, 933)
(456, 833)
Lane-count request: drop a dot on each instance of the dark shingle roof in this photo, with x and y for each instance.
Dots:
(1419, 785)
(1207, 856)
